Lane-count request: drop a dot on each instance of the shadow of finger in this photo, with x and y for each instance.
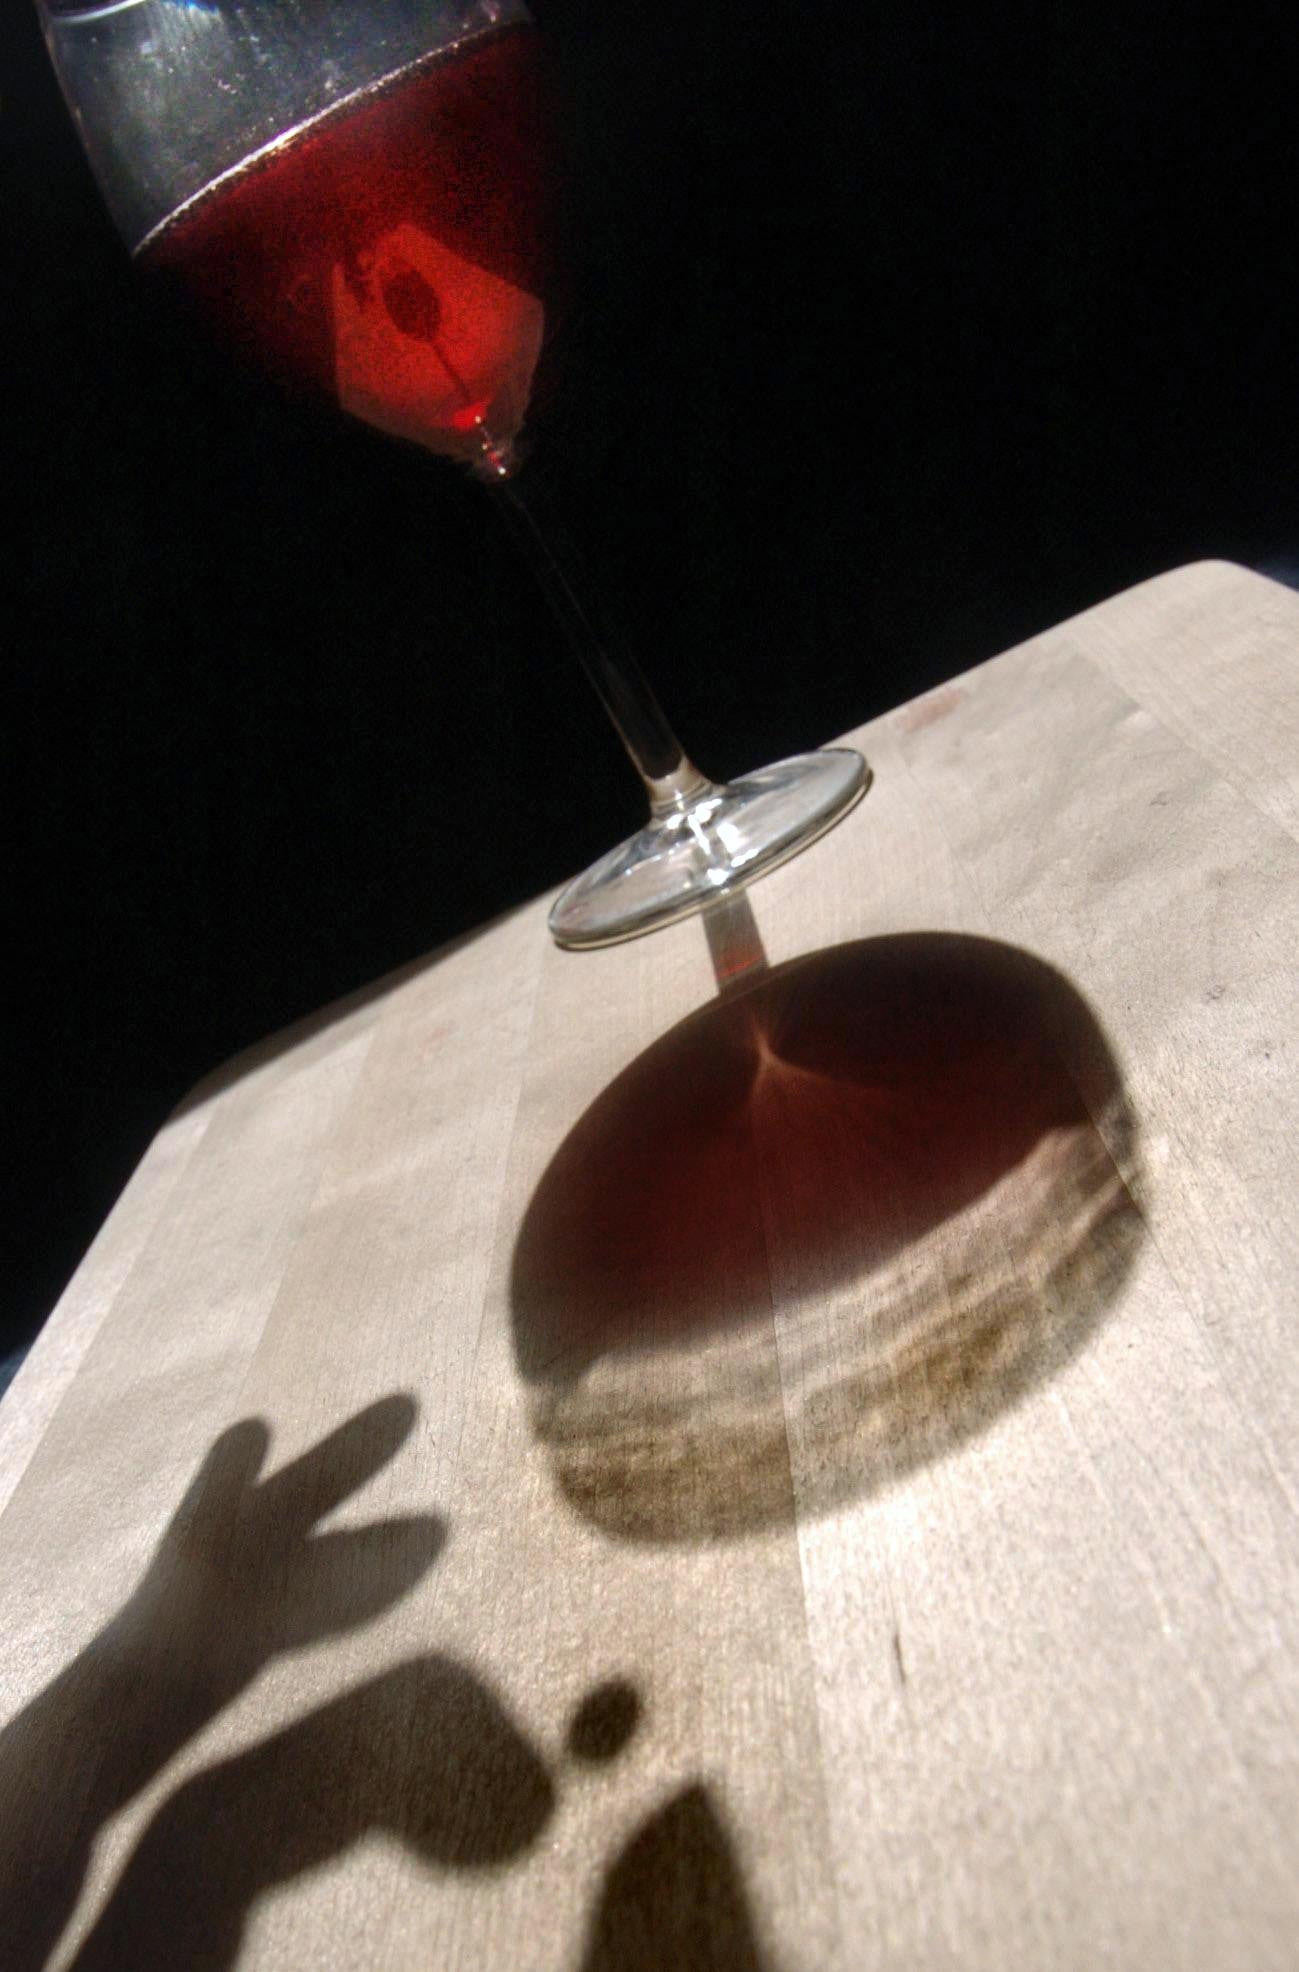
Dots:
(378, 1564)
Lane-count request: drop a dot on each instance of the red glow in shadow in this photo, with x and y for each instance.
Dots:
(870, 1092)
(860, 1203)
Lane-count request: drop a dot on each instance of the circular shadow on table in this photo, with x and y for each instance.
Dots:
(823, 1230)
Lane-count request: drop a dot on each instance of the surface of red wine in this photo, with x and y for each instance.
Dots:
(391, 252)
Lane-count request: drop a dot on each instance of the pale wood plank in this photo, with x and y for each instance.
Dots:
(1213, 652)
(56, 1355)
(1096, 1598)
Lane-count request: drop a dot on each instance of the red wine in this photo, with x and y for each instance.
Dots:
(391, 251)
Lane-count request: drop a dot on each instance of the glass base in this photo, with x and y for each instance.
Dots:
(707, 841)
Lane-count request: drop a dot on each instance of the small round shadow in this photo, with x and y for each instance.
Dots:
(823, 1230)
(604, 1721)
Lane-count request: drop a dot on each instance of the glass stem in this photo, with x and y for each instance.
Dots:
(671, 779)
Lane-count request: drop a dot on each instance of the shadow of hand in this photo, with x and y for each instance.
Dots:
(238, 1577)
(424, 1754)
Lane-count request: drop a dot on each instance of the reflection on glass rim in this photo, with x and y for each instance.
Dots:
(86, 10)
(94, 10)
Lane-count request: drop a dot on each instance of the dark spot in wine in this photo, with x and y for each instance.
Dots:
(412, 304)
(390, 257)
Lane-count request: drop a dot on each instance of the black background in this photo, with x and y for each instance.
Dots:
(895, 335)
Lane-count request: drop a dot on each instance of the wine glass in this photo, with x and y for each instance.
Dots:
(355, 192)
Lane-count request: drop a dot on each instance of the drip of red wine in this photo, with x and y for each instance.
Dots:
(391, 252)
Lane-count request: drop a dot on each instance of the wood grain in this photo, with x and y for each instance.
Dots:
(555, 1465)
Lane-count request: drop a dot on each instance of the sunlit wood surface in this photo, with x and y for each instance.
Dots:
(771, 1446)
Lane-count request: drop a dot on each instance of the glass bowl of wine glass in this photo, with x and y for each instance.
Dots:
(356, 193)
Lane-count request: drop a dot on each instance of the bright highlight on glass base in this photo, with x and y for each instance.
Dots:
(704, 840)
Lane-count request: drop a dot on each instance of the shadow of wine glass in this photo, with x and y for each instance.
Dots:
(830, 1225)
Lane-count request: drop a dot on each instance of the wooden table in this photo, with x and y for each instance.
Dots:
(695, 1456)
